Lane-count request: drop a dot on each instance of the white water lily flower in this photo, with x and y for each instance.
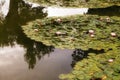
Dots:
(92, 35)
(91, 31)
(58, 20)
(58, 32)
(36, 30)
(110, 60)
(113, 34)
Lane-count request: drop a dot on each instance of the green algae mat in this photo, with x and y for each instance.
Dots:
(84, 32)
(79, 3)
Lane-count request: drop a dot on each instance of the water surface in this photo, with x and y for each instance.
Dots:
(24, 59)
(14, 67)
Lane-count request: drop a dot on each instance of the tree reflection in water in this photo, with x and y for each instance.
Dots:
(108, 11)
(80, 54)
(12, 34)
(20, 13)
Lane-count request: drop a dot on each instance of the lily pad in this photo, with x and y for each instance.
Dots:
(73, 31)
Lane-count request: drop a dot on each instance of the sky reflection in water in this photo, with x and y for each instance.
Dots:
(24, 59)
(13, 66)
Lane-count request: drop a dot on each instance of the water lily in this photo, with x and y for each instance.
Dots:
(91, 31)
(36, 30)
(110, 60)
(108, 19)
(58, 33)
(58, 20)
(92, 35)
(113, 34)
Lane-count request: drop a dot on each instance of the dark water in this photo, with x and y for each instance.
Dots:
(108, 11)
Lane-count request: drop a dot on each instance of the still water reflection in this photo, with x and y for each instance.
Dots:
(24, 59)
(19, 55)
(13, 66)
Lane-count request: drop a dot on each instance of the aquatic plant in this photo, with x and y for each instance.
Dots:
(84, 32)
(96, 67)
(79, 3)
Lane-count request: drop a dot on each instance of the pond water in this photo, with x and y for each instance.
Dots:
(24, 59)
(14, 67)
